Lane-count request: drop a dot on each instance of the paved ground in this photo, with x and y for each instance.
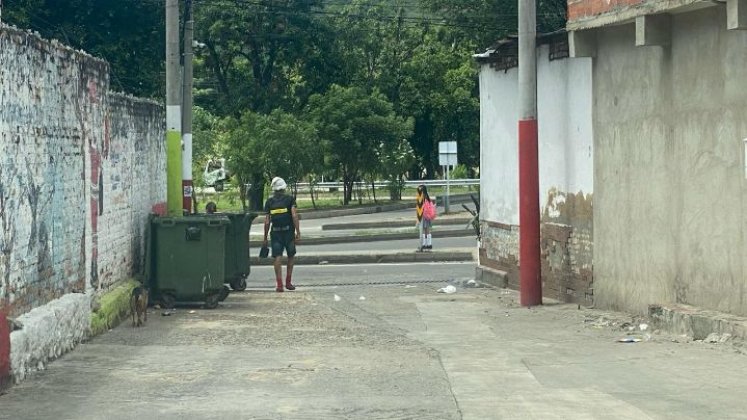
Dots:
(404, 352)
(400, 245)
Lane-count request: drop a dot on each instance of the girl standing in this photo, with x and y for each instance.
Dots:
(426, 212)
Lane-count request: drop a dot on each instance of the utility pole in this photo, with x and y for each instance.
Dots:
(530, 284)
(173, 112)
(187, 110)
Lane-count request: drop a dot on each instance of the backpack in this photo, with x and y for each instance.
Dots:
(429, 210)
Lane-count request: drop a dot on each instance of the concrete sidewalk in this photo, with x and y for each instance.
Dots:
(403, 352)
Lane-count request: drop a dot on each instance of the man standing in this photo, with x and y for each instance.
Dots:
(280, 212)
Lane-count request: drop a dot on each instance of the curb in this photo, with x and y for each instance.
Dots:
(394, 224)
(114, 307)
(495, 278)
(378, 258)
(328, 240)
(697, 323)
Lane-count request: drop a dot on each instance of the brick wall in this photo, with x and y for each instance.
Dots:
(584, 14)
(580, 9)
(133, 176)
(566, 257)
(64, 202)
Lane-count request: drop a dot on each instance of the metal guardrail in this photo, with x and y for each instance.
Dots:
(384, 184)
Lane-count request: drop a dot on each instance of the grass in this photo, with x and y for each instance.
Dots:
(115, 305)
(229, 201)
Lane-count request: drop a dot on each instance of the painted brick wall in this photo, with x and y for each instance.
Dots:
(64, 198)
(580, 9)
(133, 176)
(584, 14)
(566, 170)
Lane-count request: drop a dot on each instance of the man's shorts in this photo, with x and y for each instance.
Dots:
(283, 241)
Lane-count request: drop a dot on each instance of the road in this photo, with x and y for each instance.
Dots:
(325, 275)
(314, 226)
(385, 346)
(401, 245)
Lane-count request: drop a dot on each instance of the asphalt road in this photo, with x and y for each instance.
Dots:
(379, 342)
(362, 274)
(314, 226)
(400, 245)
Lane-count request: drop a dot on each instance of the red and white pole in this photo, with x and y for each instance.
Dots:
(187, 82)
(530, 284)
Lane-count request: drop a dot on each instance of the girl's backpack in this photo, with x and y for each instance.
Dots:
(429, 210)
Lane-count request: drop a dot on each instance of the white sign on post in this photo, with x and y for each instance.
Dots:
(447, 153)
(447, 157)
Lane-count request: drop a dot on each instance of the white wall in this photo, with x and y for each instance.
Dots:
(565, 125)
(499, 149)
(565, 134)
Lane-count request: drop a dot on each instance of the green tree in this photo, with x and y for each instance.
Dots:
(129, 34)
(480, 23)
(261, 146)
(440, 91)
(354, 126)
(261, 55)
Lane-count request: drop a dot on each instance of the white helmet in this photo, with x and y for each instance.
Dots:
(278, 184)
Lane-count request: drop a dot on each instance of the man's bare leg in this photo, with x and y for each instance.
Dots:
(289, 274)
(278, 275)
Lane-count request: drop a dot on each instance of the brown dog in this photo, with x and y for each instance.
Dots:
(139, 306)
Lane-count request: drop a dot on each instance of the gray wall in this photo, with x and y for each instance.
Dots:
(669, 175)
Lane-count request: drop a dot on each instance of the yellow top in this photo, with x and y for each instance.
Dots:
(420, 198)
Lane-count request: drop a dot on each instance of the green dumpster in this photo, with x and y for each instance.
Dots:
(237, 249)
(188, 257)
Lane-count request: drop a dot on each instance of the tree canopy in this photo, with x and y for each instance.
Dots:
(378, 83)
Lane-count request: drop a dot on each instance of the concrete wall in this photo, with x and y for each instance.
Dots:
(585, 14)
(669, 172)
(80, 169)
(566, 173)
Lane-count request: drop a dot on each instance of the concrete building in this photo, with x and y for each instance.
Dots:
(669, 82)
(566, 168)
(658, 91)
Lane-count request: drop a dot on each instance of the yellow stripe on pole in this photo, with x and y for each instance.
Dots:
(174, 172)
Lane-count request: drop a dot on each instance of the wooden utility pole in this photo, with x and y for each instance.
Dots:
(187, 187)
(530, 284)
(173, 112)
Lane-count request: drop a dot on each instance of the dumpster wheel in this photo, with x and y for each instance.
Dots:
(211, 302)
(168, 301)
(239, 284)
(224, 292)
